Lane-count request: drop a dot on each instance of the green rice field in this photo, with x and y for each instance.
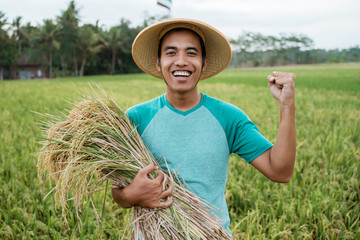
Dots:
(322, 200)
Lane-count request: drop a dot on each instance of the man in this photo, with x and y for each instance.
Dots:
(194, 132)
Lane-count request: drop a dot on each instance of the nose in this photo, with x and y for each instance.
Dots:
(181, 60)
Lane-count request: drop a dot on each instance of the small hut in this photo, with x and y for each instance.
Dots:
(27, 69)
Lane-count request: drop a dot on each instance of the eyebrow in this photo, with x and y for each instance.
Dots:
(174, 48)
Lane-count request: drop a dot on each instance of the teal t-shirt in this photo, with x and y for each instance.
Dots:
(197, 143)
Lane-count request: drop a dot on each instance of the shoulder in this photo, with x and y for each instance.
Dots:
(224, 110)
(144, 107)
(244, 138)
(141, 114)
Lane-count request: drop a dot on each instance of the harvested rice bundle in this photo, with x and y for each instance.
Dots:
(96, 143)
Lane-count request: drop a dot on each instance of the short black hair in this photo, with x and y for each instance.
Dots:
(203, 51)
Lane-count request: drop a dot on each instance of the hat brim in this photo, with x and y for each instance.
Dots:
(145, 47)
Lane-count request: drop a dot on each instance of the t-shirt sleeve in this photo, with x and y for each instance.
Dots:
(132, 113)
(248, 142)
(140, 115)
(243, 136)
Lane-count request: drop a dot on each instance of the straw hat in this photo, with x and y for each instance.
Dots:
(145, 46)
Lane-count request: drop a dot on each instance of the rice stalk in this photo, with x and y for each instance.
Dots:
(96, 143)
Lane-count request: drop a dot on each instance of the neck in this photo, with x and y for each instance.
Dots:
(183, 101)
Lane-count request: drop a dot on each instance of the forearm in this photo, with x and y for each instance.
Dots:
(282, 156)
(278, 162)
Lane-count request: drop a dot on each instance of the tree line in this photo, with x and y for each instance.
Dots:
(65, 48)
(254, 49)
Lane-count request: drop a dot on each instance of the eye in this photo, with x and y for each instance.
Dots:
(192, 53)
(170, 53)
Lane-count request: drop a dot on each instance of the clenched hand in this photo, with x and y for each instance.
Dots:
(282, 87)
(145, 192)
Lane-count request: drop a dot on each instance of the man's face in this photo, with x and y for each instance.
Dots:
(181, 61)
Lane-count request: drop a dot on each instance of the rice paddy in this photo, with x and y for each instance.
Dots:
(322, 200)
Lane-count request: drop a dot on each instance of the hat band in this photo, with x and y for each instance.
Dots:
(182, 25)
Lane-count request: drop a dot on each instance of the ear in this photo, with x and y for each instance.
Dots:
(205, 64)
(158, 67)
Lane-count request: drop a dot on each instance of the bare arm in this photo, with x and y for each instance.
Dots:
(144, 192)
(278, 162)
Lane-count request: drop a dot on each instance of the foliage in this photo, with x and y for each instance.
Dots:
(88, 45)
(320, 202)
(69, 31)
(18, 33)
(112, 40)
(254, 49)
(67, 48)
(46, 42)
(7, 47)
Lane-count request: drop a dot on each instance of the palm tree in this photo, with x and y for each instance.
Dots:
(20, 34)
(68, 23)
(8, 52)
(112, 40)
(3, 38)
(47, 39)
(88, 45)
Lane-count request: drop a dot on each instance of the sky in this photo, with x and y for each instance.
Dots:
(330, 23)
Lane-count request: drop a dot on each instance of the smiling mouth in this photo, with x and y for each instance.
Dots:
(182, 73)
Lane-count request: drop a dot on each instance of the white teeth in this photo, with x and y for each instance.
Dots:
(182, 73)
